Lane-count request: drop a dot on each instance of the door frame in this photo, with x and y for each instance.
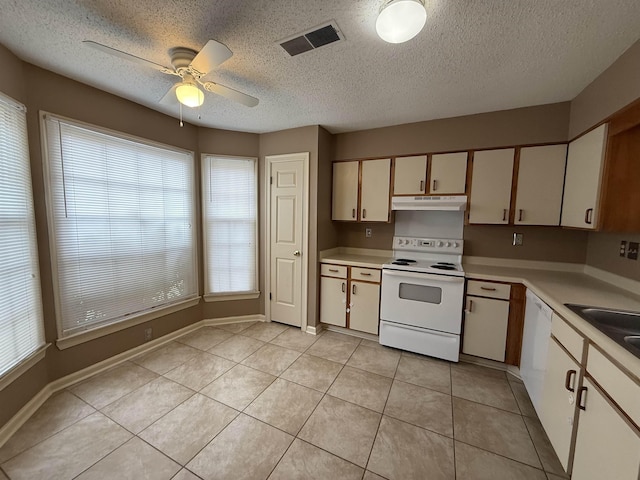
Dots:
(269, 161)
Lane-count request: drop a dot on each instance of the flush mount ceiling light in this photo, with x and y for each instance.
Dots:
(188, 92)
(400, 20)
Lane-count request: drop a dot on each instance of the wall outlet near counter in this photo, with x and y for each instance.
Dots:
(518, 239)
(148, 334)
(623, 248)
(632, 251)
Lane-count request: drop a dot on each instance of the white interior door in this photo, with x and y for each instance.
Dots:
(288, 209)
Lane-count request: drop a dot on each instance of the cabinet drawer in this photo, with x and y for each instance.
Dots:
(568, 337)
(488, 289)
(328, 270)
(624, 390)
(366, 274)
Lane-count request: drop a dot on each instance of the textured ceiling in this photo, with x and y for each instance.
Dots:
(472, 56)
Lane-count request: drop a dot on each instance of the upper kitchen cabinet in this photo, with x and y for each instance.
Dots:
(539, 187)
(585, 162)
(491, 186)
(345, 191)
(374, 188)
(448, 174)
(361, 190)
(410, 175)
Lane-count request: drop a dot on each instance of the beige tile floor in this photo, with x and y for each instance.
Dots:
(258, 401)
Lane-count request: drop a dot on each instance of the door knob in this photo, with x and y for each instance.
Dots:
(296, 253)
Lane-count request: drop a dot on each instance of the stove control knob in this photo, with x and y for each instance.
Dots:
(399, 241)
(448, 244)
(455, 245)
(439, 244)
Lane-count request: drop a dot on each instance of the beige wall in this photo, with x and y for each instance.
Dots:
(615, 88)
(603, 253)
(541, 124)
(296, 140)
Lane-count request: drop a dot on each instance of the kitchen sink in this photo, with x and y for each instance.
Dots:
(621, 326)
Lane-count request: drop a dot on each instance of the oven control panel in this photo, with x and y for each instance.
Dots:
(429, 245)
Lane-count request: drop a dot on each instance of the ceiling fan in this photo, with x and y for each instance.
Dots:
(191, 67)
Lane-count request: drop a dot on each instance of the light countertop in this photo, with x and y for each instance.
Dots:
(556, 288)
(554, 285)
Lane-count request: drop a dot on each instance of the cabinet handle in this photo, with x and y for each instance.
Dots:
(470, 310)
(504, 214)
(421, 185)
(344, 286)
(488, 289)
(568, 381)
(587, 216)
(353, 289)
(353, 213)
(364, 213)
(580, 397)
(334, 270)
(520, 215)
(435, 185)
(365, 274)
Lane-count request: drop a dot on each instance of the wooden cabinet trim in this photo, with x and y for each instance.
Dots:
(515, 326)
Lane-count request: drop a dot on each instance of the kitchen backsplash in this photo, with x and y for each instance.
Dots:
(540, 243)
(603, 252)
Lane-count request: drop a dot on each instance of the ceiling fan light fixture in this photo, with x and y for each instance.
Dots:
(400, 20)
(189, 94)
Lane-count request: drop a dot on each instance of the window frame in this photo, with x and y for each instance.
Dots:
(226, 296)
(70, 340)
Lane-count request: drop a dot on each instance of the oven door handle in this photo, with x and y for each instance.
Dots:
(422, 276)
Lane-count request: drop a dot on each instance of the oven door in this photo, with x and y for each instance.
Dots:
(422, 300)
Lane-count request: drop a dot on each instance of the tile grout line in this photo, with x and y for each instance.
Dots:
(453, 425)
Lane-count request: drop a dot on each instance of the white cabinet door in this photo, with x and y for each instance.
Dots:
(376, 179)
(485, 328)
(365, 307)
(606, 445)
(491, 186)
(540, 181)
(448, 173)
(585, 160)
(557, 404)
(345, 191)
(333, 301)
(410, 175)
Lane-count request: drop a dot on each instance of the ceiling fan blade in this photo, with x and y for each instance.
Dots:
(211, 55)
(128, 56)
(170, 98)
(231, 94)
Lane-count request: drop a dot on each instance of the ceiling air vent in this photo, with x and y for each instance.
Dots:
(312, 39)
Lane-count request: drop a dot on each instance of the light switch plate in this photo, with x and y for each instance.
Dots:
(518, 239)
(632, 251)
(368, 232)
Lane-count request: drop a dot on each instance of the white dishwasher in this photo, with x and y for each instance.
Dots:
(535, 343)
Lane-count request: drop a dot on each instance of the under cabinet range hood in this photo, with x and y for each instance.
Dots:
(455, 203)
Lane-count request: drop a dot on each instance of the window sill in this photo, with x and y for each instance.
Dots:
(78, 338)
(224, 297)
(23, 366)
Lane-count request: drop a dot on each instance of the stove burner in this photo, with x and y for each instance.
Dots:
(408, 260)
(446, 263)
(399, 262)
(441, 266)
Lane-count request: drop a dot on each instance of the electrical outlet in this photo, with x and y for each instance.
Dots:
(632, 251)
(623, 248)
(367, 232)
(148, 334)
(518, 239)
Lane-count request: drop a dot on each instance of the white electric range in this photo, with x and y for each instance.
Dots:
(422, 297)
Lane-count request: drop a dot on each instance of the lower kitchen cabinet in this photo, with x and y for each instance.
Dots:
(558, 407)
(350, 297)
(485, 328)
(486, 320)
(607, 445)
(333, 301)
(364, 307)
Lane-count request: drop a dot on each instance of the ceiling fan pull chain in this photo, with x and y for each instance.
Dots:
(181, 124)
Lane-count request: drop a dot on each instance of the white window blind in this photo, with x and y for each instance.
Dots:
(122, 225)
(21, 328)
(229, 208)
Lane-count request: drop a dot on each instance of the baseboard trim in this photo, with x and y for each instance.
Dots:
(353, 333)
(15, 422)
(313, 330)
